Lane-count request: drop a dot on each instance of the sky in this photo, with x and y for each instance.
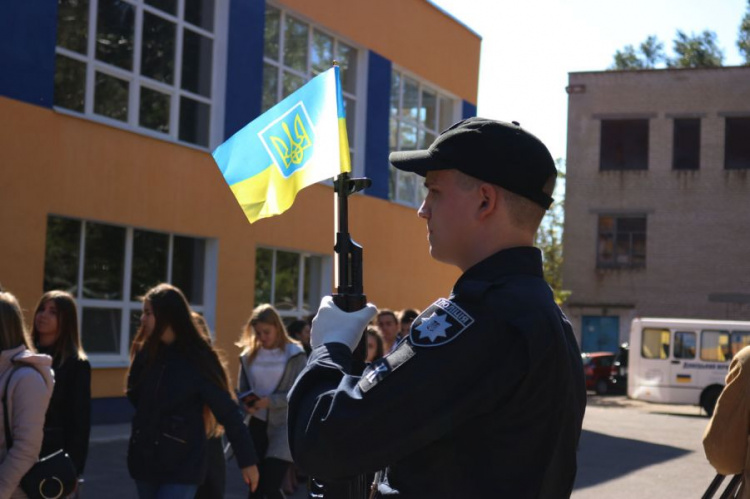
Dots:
(530, 46)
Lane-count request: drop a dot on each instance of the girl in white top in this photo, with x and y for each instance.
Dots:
(269, 364)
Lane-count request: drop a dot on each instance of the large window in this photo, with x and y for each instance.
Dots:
(418, 114)
(108, 267)
(294, 283)
(145, 64)
(715, 346)
(655, 343)
(624, 145)
(295, 51)
(686, 144)
(737, 144)
(621, 242)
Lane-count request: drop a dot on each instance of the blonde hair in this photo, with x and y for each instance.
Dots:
(68, 342)
(13, 332)
(249, 341)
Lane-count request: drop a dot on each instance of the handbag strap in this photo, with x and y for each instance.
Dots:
(6, 427)
(244, 373)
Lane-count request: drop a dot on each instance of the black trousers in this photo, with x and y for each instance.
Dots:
(271, 470)
(214, 485)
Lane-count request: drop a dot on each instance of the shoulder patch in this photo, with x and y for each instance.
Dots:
(378, 370)
(439, 324)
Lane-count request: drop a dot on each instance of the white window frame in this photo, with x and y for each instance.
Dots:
(136, 80)
(126, 305)
(356, 143)
(422, 86)
(325, 287)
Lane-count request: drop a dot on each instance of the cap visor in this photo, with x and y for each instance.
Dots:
(419, 162)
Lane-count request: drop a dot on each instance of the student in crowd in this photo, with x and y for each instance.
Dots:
(68, 422)
(389, 329)
(214, 485)
(179, 389)
(300, 331)
(374, 345)
(269, 364)
(26, 383)
(405, 318)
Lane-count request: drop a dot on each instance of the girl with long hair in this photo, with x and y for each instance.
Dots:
(26, 385)
(55, 332)
(180, 390)
(269, 364)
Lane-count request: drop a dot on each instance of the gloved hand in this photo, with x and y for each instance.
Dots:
(333, 325)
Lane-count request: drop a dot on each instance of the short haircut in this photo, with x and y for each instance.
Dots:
(385, 311)
(408, 314)
(523, 212)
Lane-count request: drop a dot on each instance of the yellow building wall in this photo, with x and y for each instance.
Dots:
(411, 33)
(51, 163)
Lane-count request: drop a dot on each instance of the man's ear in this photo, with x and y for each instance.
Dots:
(488, 200)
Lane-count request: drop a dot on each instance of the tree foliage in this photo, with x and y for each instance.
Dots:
(549, 238)
(743, 39)
(696, 51)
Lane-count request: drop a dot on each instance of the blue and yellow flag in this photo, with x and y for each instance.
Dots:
(298, 142)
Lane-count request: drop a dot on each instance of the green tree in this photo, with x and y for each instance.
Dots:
(743, 42)
(649, 54)
(653, 51)
(549, 238)
(696, 51)
(627, 58)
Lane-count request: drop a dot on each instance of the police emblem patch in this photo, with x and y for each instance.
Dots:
(439, 324)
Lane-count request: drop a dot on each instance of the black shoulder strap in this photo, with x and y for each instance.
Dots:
(244, 373)
(8, 436)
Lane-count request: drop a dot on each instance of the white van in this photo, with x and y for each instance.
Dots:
(682, 361)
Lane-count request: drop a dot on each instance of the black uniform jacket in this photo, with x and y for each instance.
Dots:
(485, 398)
(168, 439)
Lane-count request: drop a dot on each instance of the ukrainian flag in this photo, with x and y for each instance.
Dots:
(298, 142)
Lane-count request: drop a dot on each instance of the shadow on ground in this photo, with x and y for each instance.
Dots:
(602, 458)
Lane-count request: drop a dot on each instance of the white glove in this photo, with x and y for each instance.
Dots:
(333, 325)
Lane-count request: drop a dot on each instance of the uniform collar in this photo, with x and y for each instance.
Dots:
(526, 260)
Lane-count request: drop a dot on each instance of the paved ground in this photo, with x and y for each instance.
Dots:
(628, 449)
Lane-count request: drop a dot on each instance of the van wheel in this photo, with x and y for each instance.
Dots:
(601, 387)
(708, 399)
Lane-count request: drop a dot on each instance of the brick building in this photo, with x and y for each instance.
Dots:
(657, 198)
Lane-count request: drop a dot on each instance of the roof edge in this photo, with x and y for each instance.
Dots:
(658, 70)
(453, 18)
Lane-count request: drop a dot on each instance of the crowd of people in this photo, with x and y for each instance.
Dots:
(180, 390)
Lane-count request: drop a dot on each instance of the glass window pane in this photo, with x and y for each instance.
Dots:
(168, 6)
(606, 224)
(270, 86)
(73, 24)
(114, 33)
(740, 339)
(408, 136)
(425, 139)
(655, 343)
(287, 275)
(392, 181)
(291, 83)
(100, 330)
(157, 52)
(622, 249)
(350, 107)
(104, 261)
(605, 251)
(312, 282)
(410, 102)
(322, 52)
(263, 275)
(715, 346)
(271, 33)
(61, 254)
(111, 97)
(200, 13)
(188, 266)
(406, 190)
(684, 345)
(395, 92)
(347, 58)
(150, 251)
(134, 324)
(196, 63)
(70, 83)
(194, 121)
(154, 112)
(428, 112)
(393, 135)
(295, 44)
(446, 114)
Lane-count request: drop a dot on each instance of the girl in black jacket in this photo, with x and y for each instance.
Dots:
(68, 421)
(179, 389)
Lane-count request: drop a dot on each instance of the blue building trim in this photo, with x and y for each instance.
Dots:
(111, 410)
(28, 34)
(244, 92)
(376, 134)
(468, 110)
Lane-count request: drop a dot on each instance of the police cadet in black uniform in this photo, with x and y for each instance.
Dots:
(485, 397)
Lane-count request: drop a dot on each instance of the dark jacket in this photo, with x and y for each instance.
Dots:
(485, 398)
(168, 439)
(68, 422)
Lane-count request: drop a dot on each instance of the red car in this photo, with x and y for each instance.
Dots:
(597, 366)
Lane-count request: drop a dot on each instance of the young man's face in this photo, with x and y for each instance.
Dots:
(449, 210)
(388, 326)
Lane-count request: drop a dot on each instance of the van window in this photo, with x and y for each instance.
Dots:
(715, 346)
(740, 339)
(684, 345)
(655, 343)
